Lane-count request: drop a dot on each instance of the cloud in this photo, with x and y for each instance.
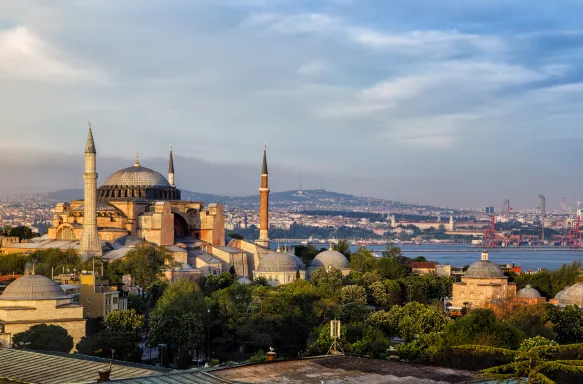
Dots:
(314, 68)
(24, 55)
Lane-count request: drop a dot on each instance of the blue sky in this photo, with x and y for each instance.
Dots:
(461, 103)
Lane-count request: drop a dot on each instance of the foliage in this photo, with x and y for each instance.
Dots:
(482, 327)
(146, 264)
(567, 323)
(124, 321)
(328, 282)
(410, 321)
(108, 343)
(177, 320)
(363, 260)
(343, 247)
(385, 293)
(261, 280)
(531, 320)
(22, 232)
(307, 252)
(533, 360)
(44, 337)
(370, 342)
(353, 294)
(12, 263)
(258, 357)
(426, 348)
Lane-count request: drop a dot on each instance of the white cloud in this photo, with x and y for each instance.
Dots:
(24, 55)
(315, 68)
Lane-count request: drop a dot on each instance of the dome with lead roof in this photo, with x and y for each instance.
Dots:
(33, 287)
(137, 176)
(484, 269)
(573, 295)
(329, 259)
(528, 292)
(277, 262)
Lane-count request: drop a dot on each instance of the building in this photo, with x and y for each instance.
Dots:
(280, 268)
(98, 297)
(506, 206)
(423, 267)
(32, 300)
(490, 210)
(483, 282)
(6, 280)
(330, 259)
(542, 205)
(139, 207)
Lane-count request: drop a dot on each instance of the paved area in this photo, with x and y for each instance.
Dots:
(344, 370)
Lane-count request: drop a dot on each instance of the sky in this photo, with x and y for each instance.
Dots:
(456, 103)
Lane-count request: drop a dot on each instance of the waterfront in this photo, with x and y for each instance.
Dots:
(461, 254)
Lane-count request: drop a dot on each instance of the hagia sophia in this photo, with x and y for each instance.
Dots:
(137, 206)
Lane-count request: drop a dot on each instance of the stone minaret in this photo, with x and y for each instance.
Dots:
(264, 204)
(171, 169)
(90, 245)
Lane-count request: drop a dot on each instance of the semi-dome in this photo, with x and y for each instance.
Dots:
(277, 262)
(484, 269)
(528, 292)
(137, 176)
(33, 287)
(573, 295)
(329, 259)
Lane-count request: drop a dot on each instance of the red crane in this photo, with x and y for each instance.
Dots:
(490, 234)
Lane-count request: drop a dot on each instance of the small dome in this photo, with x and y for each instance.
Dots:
(528, 292)
(244, 281)
(484, 269)
(33, 287)
(277, 262)
(329, 259)
(136, 176)
(573, 295)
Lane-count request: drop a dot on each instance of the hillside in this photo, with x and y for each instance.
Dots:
(290, 200)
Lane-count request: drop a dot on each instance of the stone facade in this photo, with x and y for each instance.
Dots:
(478, 292)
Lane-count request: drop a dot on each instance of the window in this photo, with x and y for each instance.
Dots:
(115, 300)
(88, 299)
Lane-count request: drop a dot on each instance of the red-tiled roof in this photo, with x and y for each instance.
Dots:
(422, 265)
(8, 278)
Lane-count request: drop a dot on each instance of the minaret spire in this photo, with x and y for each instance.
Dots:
(264, 203)
(171, 169)
(90, 245)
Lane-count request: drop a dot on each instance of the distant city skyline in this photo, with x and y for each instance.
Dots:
(454, 104)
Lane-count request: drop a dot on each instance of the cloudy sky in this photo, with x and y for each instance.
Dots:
(456, 102)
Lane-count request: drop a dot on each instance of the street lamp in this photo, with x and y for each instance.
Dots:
(161, 351)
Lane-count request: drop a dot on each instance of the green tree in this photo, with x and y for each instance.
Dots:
(531, 320)
(363, 260)
(533, 360)
(124, 321)
(567, 323)
(353, 294)
(385, 293)
(410, 321)
(343, 247)
(44, 337)
(177, 321)
(390, 268)
(146, 264)
(482, 327)
(107, 343)
(22, 232)
(329, 282)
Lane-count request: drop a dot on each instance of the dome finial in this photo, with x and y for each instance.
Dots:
(331, 247)
(137, 163)
(278, 248)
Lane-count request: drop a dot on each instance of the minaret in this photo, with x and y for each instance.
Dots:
(90, 245)
(264, 204)
(171, 169)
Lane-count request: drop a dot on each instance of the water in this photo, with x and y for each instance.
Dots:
(461, 254)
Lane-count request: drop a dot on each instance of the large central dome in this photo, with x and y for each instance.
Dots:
(137, 176)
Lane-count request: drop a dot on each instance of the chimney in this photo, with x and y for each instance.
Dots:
(104, 375)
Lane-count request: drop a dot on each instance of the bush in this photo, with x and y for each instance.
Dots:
(44, 337)
(258, 357)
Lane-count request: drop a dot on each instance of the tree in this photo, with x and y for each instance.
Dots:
(177, 321)
(353, 294)
(531, 320)
(22, 232)
(391, 268)
(107, 343)
(343, 247)
(328, 281)
(44, 337)
(482, 327)
(567, 323)
(385, 293)
(124, 321)
(410, 321)
(363, 260)
(534, 358)
(146, 264)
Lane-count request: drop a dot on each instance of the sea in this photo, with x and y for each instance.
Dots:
(462, 254)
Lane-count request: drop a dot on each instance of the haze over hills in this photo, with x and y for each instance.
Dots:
(306, 199)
